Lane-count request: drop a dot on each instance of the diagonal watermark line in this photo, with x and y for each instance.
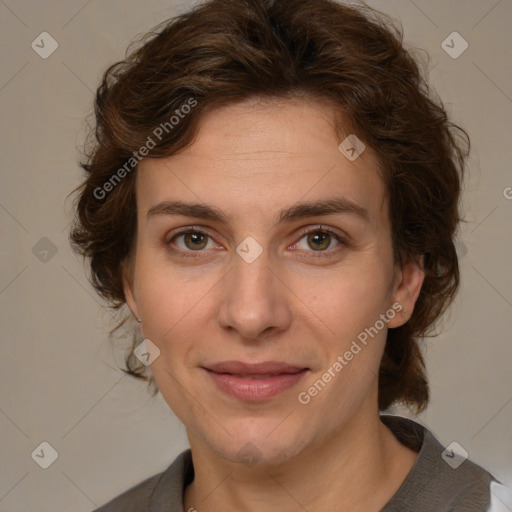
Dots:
(80, 284)
(280, 423)
(499, 498)
(492, 286)
(488, 215)
(286, 491)
(15, 75)
(372, 371)
(13, 218)
(492, 81)
(501, 408)
(184, 184)
(198, 402)
(487, 13)
(13, 279)
(14, 14)
(66, 227)
(87, 291)
(75, 15)
(205, 294)
(433, 67)
(81, 490)
(424, 14)
(331, 331)
(104, 395)
(216, 487)
(14, 423)
(77, 77)
(14, 485)
(312, 187)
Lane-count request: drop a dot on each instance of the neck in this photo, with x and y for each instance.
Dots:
(358, 469)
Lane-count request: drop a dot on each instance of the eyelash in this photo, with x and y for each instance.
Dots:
(306, 231)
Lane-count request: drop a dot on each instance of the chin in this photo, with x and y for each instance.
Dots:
(252, 445)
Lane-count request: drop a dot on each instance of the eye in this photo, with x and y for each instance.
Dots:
(319, 239)
(191, 240)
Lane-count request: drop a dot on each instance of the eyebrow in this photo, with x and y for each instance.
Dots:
(337, 205)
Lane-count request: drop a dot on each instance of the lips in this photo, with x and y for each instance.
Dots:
(254, 369)
(254, 381)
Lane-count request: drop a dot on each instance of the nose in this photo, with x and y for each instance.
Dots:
(254, 301)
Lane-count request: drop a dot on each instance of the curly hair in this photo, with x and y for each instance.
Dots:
(226, 51)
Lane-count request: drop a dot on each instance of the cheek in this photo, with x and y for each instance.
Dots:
(178, 312)
(350, 303)
(348, 300)
(170, 309)
(175, 313)
(165, 293)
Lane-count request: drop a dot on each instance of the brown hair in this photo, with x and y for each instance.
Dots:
(226, 51)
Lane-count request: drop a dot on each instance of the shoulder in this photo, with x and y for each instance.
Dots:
(135, 499)
(441, 479)
(151, 494)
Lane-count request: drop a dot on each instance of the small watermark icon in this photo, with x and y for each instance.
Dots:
(507, 193)
(45, 455)
(249, 454)
(352, 147)
(146, 352)
(44, 250)
(454, 455)
(454, 45)
(249, 250)
(44, 45)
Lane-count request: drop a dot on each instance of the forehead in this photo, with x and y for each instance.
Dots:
(258, 156)
(277, 127)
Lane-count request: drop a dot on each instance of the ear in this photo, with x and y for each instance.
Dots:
(407, 286)
(129, 294)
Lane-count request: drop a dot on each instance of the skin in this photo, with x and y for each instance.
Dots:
(302, 301)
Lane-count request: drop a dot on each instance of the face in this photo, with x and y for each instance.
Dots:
(263, 257)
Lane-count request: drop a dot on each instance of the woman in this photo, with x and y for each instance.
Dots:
(274, 194)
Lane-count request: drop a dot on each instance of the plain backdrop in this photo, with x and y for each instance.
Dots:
(59, 378)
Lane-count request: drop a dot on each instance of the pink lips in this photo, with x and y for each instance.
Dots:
(255, 381)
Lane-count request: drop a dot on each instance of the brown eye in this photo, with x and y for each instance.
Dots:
(191, 241)
(195, 241)
(319, 240)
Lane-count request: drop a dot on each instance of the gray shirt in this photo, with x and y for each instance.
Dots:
(432, 485)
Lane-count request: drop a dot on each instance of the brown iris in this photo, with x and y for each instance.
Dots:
(321, 240)
(198, 240)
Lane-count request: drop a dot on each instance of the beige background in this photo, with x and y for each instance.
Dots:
(59, 381)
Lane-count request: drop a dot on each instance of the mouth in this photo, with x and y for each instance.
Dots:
(255, 382)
